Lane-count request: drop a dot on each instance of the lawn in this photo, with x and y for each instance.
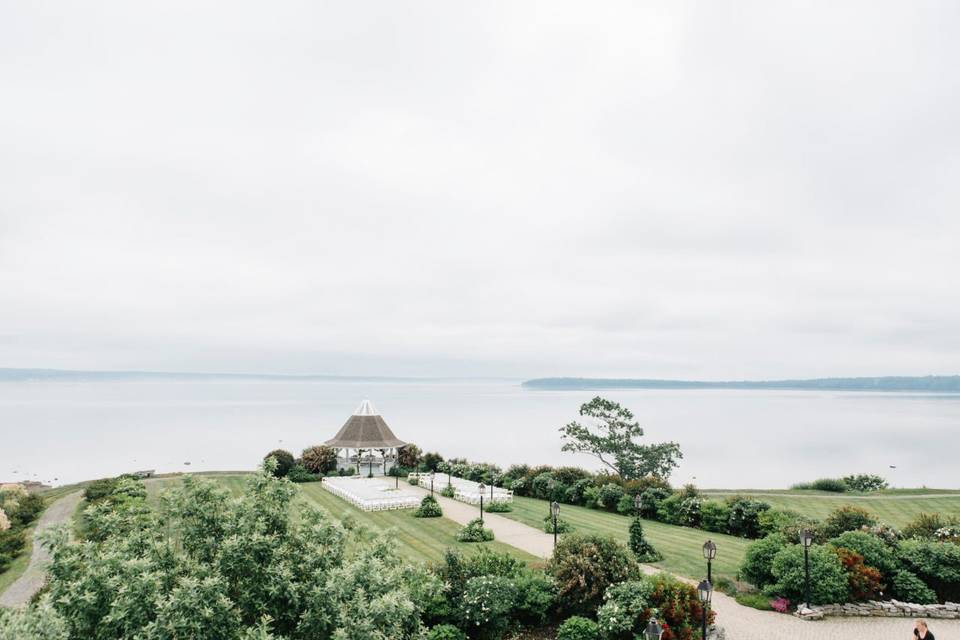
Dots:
(682, 547)
(418, 539)
(893, 507)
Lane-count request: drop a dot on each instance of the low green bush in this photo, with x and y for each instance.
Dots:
(445, 632)
(583, 566)
(474, 531)
(714, 516)
(754, 600)
(429, 508)
(536, 597)
(578, 628)
(448, 492)
(835, 485)
(864, 482)
(499, 506)
(757, 567)
(936, 563)
(745, 516)
(828, 580)
(625, 610)
(486, 605)
(414, 480)
(12, 542)
(562, 525)
(875, 552)
(299, 473)
(907, 587)
(847, 518)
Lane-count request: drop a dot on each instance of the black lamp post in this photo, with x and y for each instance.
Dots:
(806, 539)
(705, 590)
(431, 483)
(481, 488)
(638, 503)
(709, 553)
(653, 631)
(555, 512)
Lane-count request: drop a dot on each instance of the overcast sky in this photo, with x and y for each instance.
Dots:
(651, 189)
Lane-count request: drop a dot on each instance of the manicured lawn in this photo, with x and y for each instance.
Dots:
(418, 539)
(896, 507)
(681, 547)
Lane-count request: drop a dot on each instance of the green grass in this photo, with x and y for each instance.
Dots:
(418, 539)
(682, 547)
(897, 507)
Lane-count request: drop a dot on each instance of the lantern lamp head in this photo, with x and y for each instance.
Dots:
(653, 630)
(709, 550)
(705, 590)
(806, 538)
(555, 508)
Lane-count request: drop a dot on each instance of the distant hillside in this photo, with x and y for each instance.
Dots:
(946, 384)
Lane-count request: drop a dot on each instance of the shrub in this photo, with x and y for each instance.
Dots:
(874, 551)
(448, 492)
(445, 632)
(409, 456)
(835, 485)
(584, 566)
(783, 521)
(575, 492)
(865, 482)
(652, 498)
(641, 547)
(863, 582)
(544, 486)
(474, 531)
(625, 505)
(926, 525)
(414, 480)
(679, 607)
(609, 495)
(499, 506)
(319, 459)
(299, 473)
(846, 518)
(626, 609)
(715, 516)
(99, 489)
(745, 516)
(536, 597)
(757, 567)
(284, 462)
(907, 587)
(562, 525)
(668, 509)
(756, 600)
(12, 542)
(578, 628)
(828, 580)
(486, 604)
(780, 605)
(431, 461)
(429, 508)
(936, 563)
(4, 520)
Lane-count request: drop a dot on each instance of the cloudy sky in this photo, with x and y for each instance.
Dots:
(658, 189)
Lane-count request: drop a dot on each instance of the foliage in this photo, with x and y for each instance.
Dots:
(936, 563)
(38, 622)
(926, 525)
(584, 566)
(609, 495)
(99, 489)
(448, 492)
(756, 600)
(319, 459)
(562, 525)
(409, 456)
(431, 461)
(780, 605)
(678, 606)
(846, 518)
(907, 587)
(745, 516)
(874, 551)
(486, 604)
(828, 580)
(499, 506)
(626, 609)
(578, 628)
(12, 542)
(611, 441)
(639, 545)
(4, 520)
(651, 499)
(299, 473)
(445, 632)
(864, 583)
(757, 567)
(715, 516)
(865, 482)
(536, 597)
(834, 485)
(284, 462)
(429, 508)
(474, 531)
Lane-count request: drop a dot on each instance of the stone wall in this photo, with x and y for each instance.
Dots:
(886, 609)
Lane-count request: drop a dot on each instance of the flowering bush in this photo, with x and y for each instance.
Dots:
(947, 534)
(626, 609)
(474, 531)
(864, 582)
(678, 607)
(429, 508)
(584, 566)
(780, 605)
(486, 604)
(499, 506)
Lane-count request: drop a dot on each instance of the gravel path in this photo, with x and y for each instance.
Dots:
(740, 623)
(19, 593)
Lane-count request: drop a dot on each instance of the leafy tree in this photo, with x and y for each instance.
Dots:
(409, 456)
(431, 461)
(319, 459)
(284, 460)
(612, 441)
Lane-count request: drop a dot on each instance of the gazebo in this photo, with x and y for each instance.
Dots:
(369, 438)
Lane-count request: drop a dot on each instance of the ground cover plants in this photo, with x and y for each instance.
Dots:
(19, 509)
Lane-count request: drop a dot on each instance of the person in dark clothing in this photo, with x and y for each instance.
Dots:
(921, 631)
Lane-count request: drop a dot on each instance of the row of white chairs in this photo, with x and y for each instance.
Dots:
(463, 490)
(378, 503)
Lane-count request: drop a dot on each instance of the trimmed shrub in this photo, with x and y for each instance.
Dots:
(745, 516)
(536, 597)
(284, 462)
(757, 567)
(474, 531)
(834, 485)
(562, 525)
(936, 563)
(874, 551)
(863, 582)
(641, 547)
(865, 482)
(907, 587)
(847, 518)
(486, 605)
(429, 508)
(499, 506)
(584, 566)
(578, 628)
(828, 580)
(446, 632)
(626, 609)
(715, 516)
(299, 473)
(448, 492)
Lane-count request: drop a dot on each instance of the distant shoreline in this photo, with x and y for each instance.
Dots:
(67, 375)
(941, 384)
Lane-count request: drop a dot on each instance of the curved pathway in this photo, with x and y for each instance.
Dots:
(740, 622)
(19, 593)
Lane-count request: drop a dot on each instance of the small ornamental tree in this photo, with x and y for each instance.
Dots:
(284, 462)
(474, 531)
(612, 440)
(409, 456)
(319, 459)
(641, 547)
(865, 583)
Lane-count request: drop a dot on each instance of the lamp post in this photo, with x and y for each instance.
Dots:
(709, 553)
(653, 631)
(638, 503)
(431, 483)
(555, 512)
(705, 590)
(480, 489)
(806, 539)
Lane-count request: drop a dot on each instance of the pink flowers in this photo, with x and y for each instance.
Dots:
(780, 605)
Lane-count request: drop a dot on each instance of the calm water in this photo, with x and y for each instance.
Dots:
(756, 439)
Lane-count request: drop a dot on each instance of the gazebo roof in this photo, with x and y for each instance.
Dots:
(365, 429)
